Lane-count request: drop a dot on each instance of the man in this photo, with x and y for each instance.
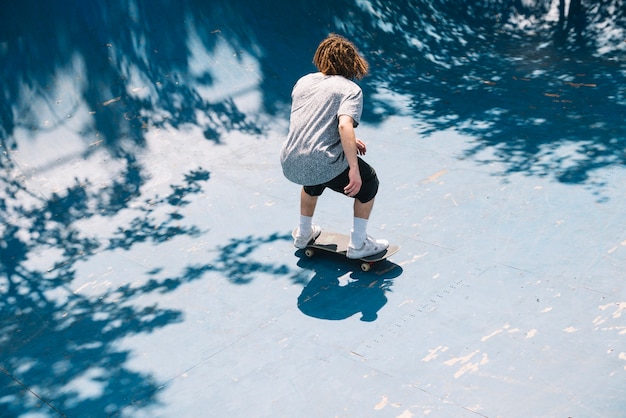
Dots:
(322, 150)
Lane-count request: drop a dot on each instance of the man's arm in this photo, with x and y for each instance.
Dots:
(351, 149)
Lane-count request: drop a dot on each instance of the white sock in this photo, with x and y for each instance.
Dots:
(359, 232)
(305, 225)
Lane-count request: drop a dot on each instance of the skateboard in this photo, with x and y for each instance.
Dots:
(337, 243)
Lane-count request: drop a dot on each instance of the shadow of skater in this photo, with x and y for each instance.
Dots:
(337, 292)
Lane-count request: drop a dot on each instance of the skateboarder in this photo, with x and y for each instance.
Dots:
(322, 150)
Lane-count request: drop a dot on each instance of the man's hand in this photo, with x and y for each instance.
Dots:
(361, 149)
(354, 185)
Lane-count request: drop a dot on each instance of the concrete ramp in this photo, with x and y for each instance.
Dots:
(147, 268)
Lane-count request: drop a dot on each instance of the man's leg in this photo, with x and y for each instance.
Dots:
(361, 245)
(362, 213)
(363, 210)
(306, 230)
(307, 204)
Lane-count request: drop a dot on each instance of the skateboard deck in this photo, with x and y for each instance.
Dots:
(337, 243)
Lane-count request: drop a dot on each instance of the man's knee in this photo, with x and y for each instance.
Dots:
(370, 185)
(368, 191)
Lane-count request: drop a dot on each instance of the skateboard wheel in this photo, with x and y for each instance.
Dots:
(366, 266)
(309, 252)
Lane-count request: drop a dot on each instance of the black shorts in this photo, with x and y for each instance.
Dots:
(369, 186)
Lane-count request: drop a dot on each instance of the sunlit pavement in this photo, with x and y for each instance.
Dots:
(160, 279)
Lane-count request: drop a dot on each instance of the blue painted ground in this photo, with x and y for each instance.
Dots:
(146, 261)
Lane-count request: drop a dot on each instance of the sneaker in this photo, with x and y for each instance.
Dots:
(301, 242)
(371, 246)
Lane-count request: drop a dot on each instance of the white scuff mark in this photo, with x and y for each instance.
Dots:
(531, 333)
(434, 353)
(198, 246)
(77, 291)
(113, 100)
(434, 177)
(461, 360)
(570, 329)
(406, 302)
(621, 307)
(406, 414)
(622, 330)
(496, 332)
(451, 197)
(383, 403)
(598, 321)
(414, 259)
(548, 309)
(468, 367)
(493, 334)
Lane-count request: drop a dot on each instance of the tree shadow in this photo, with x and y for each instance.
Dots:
(338, 291)
(538, 85)
(60, 345)
(128, 63)
(237, 263)
(540, 97)
(524, 86)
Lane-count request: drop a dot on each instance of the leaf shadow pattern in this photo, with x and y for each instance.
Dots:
(61, 352)
(519, 92)
(146, 228)
(54, 349)
(337, 291)
(523, 83)
(236, 262)
(112, 64)
(496, 72)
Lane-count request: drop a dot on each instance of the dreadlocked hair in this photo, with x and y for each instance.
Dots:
(336, 55)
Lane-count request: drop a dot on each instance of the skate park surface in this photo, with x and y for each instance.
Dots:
(147, 265)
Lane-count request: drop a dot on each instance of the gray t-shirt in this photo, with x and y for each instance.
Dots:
(312, 153)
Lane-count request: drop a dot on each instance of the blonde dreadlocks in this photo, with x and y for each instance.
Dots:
(337, 56)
